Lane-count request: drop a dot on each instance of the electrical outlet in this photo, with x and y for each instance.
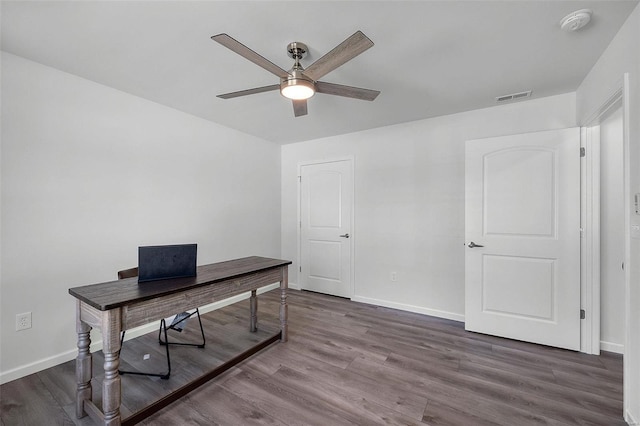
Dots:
(23, 321)
(394, 276)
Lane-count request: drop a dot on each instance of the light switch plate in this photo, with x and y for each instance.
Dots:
(635, 230)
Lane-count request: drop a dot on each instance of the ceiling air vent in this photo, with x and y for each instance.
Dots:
(513, 96)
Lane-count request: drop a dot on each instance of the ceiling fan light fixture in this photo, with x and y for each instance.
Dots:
(297, 89)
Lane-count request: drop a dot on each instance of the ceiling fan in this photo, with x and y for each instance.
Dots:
(299, 84)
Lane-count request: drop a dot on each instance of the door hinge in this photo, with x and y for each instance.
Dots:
(299, 178)
(300, 268)
(583, 314)
(583, 152)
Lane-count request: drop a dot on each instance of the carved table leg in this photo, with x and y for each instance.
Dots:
(253, 303)
(284, 284)
(83, 364)
(111, 327)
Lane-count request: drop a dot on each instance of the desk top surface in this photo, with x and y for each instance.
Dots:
(114, 294)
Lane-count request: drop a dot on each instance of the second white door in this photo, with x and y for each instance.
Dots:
(325, 224)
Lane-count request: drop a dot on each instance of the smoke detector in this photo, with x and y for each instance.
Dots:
(576, 20)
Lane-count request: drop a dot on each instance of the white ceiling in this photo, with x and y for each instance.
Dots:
(430, 58)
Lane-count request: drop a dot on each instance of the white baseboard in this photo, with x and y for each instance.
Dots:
(410, 308)
(43, 364)
(294, 286)
(612, 347)
(630, 420)
(34, 367)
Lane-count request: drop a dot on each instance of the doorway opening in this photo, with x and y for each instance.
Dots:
(612, 327)
(604, 220)
(591, 291)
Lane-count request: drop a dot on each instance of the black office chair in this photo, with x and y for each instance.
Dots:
(177, 324)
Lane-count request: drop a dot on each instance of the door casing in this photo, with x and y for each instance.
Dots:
(590, 285)
(590, 256)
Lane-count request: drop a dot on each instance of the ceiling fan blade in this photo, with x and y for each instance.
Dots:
(345, 51)
(244, 51)
(300, 107)
(249, 91)
(346, 91)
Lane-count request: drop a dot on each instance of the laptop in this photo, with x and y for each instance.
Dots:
(168, 261)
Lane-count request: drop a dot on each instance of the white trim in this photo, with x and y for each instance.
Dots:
(409, 308)
(620, 97)
(612, 347)
(352, 162)
(294, 286)
(626, 119)
(590, 217)
(630, 419)
(590, 241)
(43, 364)
(324, 161)
(34, 367)
(610, 105)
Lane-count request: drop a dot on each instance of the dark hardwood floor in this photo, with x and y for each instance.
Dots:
(345, 363)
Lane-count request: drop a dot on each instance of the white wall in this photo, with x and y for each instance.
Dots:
(409, 200)
(612, 229)
(623, 56)
(89, 174)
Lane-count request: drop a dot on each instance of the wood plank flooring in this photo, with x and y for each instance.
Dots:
(346, 363)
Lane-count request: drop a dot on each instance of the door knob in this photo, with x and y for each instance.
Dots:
(344, 235)
(474, 245)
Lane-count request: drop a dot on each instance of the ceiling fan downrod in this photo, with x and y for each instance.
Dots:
(297, 51)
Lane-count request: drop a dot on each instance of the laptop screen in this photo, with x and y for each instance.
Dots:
(170, 261)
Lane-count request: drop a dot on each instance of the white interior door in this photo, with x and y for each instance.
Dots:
(325, 223)
(522, 211)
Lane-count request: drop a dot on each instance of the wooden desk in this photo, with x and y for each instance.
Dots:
(119, 305)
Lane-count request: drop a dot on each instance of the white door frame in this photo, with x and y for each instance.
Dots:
(352, 232)
(590, 277)
(590, 240)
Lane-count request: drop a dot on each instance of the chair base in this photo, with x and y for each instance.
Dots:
(163, 330)
(176, 325)
(162, 376)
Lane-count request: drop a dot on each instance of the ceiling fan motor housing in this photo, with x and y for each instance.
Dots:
(297, 83)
